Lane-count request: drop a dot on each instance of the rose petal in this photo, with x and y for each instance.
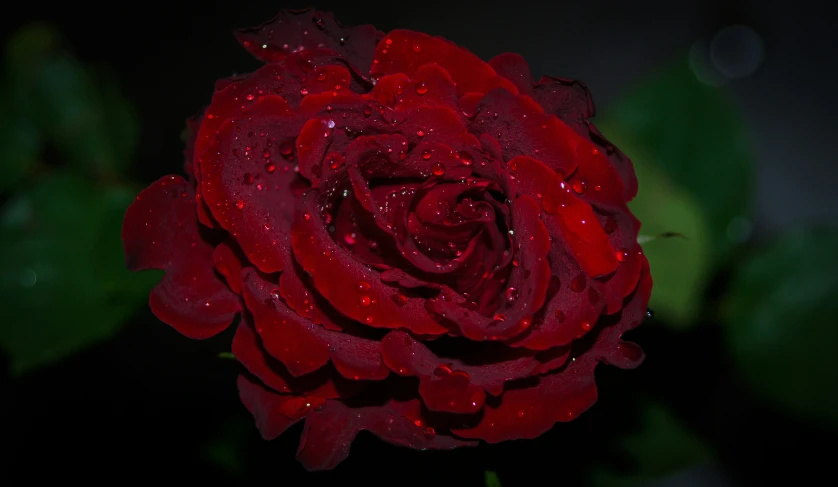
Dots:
(596, 179)
(622, 229)
(533, 408)
(160, 231)
(528, 282)
(523, 129)
(450, 385)
(303, 346)
(404, 51)
(514, 68)
(274, 413)
(431, 85)
(578, 225)
(229, 262)
(330, 431)
(291, 31)
(319, 256)
(250, 185)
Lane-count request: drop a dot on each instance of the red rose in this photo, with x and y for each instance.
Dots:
(420, 244)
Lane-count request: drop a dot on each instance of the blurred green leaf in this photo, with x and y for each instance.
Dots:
(20, 140)
(225, 451)
(491, 479)
(694, 134)
(62, 270)
(694, 165)
(780, 322)
(680, 266)
(81, 111)
(661, 447)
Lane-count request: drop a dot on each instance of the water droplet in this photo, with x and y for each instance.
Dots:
(521, 413)
(438, 169)
(363, 286)
(595, 151)
(500, 317)
(650, 313)
(578, 283)
(365, 301)
(303, 92)
(466, 158)
(426, 155)
(430, 432)
(587, 325)
(368, 320)
(266, 154)
(248, 178)
(321, 76)
(307, 216)
(420, 133)
(622, 255)
(511, 294)
(367, 110)
(240, 204)
(417, 48)
(421, 89)
(418, 423)
(579, 187)
(270, 167)
(349, 238)
(275, 293)
(442, 370)
(399, 299)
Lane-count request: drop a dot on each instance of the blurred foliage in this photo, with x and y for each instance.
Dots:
(660, 446)
(68, 136)
(79, 109)
(780, 325)
(694, 165)
(491, 479)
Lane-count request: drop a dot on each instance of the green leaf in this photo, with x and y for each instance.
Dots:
(62, 270)
(492, 479)
(680, 266)
(225, 450)
(779, 321)
(81, 111)
(21, 142)
(660, 447)
(694, 135)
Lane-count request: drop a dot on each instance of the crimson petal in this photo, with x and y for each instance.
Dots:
(274, 413)
(160, 231)
(451, 385)
(317, 253)
(292, 31)
(404, 51)
(300, 344)
(330, 431)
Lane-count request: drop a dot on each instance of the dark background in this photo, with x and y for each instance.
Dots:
(149, 404)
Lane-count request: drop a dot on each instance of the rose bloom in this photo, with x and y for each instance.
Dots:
(415, 242)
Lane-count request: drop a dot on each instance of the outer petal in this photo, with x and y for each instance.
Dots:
(523, 129)
(160, 231)
(300, 344)
(404, 51)
(330, 431)
(274, 413)
(293, 31)
(532, 409)
(580, 228)
(450, 385)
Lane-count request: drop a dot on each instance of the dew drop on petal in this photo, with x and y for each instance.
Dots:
(622, 255)
(438, 169)
(365, 301)
(579, 187)
(421, 89)
(578, 283)
(363, 286)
